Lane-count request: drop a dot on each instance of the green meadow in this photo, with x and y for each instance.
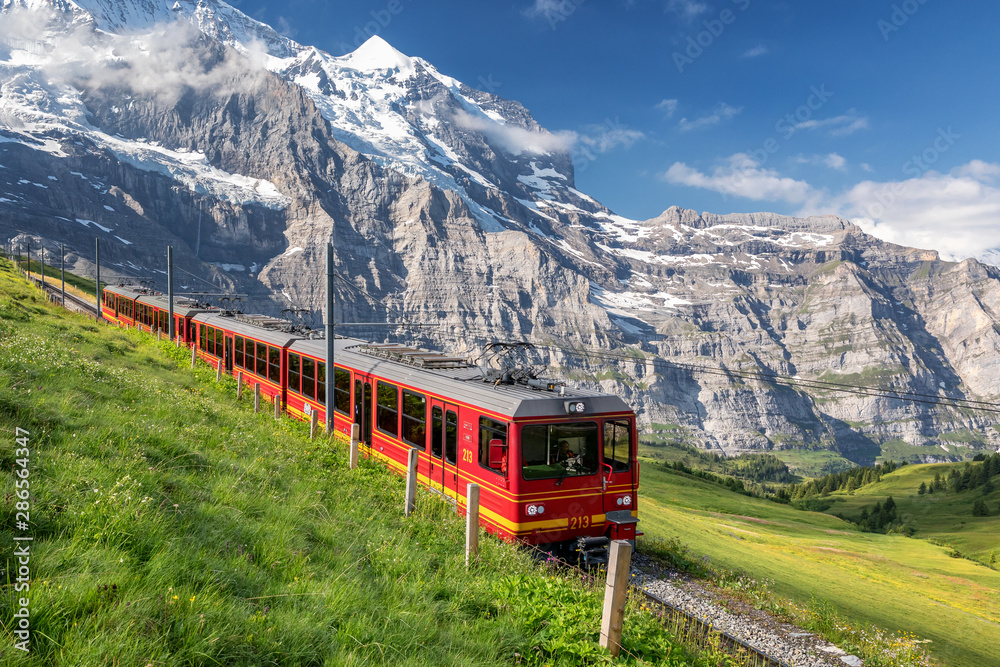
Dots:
(173, 526)
(943, 517)
(902, 584)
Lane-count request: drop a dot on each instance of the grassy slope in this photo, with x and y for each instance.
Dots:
(174, 526)
(941, 516)
(895, 582)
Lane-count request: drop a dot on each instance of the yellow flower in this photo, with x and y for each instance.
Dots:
(175, 597)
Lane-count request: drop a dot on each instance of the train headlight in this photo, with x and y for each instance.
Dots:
(627, 500)
(619, 501)
(533, 510)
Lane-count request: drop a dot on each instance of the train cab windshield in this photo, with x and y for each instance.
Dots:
(559, 450)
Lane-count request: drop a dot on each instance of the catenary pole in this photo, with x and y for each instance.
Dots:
(62, 272)
(330, 384)
(97, 263)
(170, 288)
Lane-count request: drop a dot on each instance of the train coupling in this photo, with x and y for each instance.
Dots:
(593, 550)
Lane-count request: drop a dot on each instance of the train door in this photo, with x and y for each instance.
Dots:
(363, 408)
(228, 354)
(444, 448)
(618, 476)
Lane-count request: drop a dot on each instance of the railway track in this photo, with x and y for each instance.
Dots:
(703, 634)
(72, 301)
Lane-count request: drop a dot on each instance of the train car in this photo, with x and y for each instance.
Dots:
(119, 304)
(555, 465)
(255, 345)
(150, 311)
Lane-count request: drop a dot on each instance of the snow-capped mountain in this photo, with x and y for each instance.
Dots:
(147, 123)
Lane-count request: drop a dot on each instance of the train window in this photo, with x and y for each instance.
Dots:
(294, 373)
(490, 430)
(387, 410)
(308, 377)
(220, 343)
(341, 390)
(274, 364)
(261, 369)
(239, 351)
(617, 445)
(437, 426)
(414, 419)
(321, 382)
(559, 450)
(202, 340)
(451, 437)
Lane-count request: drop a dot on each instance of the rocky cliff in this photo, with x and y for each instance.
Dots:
(189, 124)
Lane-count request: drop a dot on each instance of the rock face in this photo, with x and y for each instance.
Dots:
(247, 152)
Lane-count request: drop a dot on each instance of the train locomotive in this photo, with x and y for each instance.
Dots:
(557, 467)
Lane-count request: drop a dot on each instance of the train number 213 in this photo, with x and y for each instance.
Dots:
(579, 522)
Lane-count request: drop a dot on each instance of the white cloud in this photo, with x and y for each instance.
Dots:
(838, 126)
(722, 112)
(164, 61)
(516, 139)
(552, 10)
(667, 107)
(831, 160)
(866, 167)
(957, 214)
(686, 9)
(758, 50)
(742, 176)
(603, 138)
(834, 161)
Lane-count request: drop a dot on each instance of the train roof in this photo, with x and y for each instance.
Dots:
(183, 306)
(249, 329)
(464, 382)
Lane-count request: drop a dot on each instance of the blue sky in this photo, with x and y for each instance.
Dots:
(882, 112)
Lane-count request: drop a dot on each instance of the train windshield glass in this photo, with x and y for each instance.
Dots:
(559, 450)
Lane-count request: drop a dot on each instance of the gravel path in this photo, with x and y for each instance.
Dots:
(791, 645)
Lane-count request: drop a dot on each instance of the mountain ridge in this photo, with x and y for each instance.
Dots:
(453, 205)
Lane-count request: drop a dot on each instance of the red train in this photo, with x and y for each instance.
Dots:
(557, 467)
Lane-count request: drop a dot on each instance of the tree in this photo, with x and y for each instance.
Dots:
(979, 508)
(923, 489)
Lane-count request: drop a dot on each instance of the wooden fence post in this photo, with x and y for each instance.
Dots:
(355, 437)
(239, 386)
(614, 595)
(411, 483)
(256, 397)
(313, 424)
(471, 523)
(194, 355)
(277, 406)
(218, 371)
